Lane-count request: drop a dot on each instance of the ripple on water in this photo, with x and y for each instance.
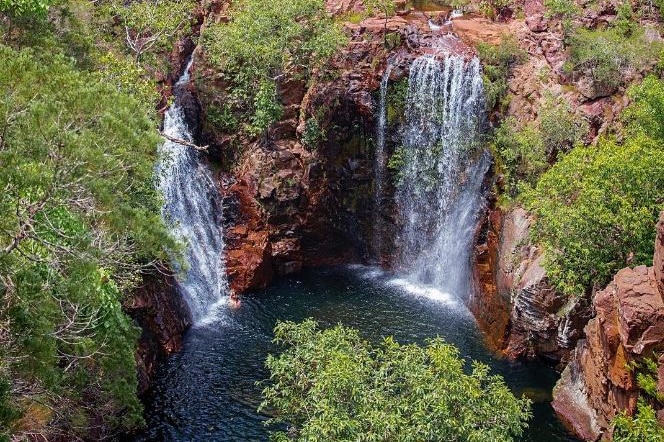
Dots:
(208, 392)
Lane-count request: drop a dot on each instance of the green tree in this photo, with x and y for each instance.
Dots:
(152, 23)
(265, 42)
(643, 427)
(597, 208)
(331, 385)
(79, 221)
(596, 211)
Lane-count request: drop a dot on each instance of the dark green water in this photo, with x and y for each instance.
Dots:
(208, 393)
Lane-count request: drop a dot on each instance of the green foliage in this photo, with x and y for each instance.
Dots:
(564, 10)
(79, 220)
(267, 108)
(129, 78)
(222, 117)
(331, 386)
(392, 40)
(265, 41)
(7, 413)
(497, 62)
(150, 24)
(625, 22)
(559, 128)
(606, 55)
(374, 7)
(645, 116)
(397, 94)
(458, 4)
(596, 209)
(643, 427)
(494, 8)
(525, 153)
(560, 8)
(33, 9)
(313, 134)
(522, 155)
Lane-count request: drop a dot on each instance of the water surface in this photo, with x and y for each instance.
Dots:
(208, 393)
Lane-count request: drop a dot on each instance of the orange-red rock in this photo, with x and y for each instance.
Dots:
(628, 326)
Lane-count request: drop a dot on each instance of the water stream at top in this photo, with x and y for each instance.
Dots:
(192, 210)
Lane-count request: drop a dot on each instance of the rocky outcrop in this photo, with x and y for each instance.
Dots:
(520, 312)
(628, 326)
(302, 194)
(491, 308)
(163, 317)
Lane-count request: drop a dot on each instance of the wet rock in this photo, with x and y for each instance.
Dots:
(491, 306)
(163, 317)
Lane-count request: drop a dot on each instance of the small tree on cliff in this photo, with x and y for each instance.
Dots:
(387, 7)
(331, 386)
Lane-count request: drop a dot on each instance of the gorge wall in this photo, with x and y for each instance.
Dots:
(628, 328)
(289, 203)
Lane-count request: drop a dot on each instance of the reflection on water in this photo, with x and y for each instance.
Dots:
(208, 392)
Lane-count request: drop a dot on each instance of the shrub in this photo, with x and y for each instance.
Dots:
(331, 385)
(607, 55)
(559, 128)
(597, 208)
(645, 116)
(267, 41)
(313, 134)
(596, 211)
(522, 155)
(497, 61)
(643, 427)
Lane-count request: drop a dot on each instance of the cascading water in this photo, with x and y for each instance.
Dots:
(380, 162)
(192, 210)
(443, 167)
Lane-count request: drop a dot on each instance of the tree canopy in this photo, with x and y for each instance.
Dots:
(331, 385)
(597, 208)
(79, 220)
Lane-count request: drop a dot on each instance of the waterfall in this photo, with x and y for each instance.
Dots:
(380, 162)
(192, 210)
(439, 192)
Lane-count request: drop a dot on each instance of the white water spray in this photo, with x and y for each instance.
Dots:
(192, 210)
(440, 183)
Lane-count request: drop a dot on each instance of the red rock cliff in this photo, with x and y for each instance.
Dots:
(628, 326)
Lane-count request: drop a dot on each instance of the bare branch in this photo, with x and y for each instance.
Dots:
(184, 142)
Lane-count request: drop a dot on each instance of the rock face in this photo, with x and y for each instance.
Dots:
(291, 201)
(523, 316)
(163, 317)
(628, 326)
